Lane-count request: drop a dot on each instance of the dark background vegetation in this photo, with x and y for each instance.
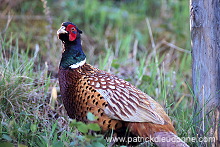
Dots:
(145, 42)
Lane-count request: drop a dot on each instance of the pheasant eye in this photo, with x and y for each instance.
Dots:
(73, 29)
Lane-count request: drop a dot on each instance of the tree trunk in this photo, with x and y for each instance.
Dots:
(205, 35)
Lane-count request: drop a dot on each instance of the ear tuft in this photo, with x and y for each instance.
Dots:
(79, 31)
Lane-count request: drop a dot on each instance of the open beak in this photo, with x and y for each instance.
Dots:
(62, 30)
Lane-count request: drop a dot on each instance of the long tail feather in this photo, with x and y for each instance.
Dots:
(168, 139)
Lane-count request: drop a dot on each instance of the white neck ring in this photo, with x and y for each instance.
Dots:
(78, 64)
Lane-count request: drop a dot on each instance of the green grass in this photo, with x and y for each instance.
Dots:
(31, 112)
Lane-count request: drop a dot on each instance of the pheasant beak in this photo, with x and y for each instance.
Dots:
(62, 30)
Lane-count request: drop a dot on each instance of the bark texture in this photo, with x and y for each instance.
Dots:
(205, 35)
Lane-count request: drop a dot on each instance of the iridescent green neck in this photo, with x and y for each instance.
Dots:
(73, 56)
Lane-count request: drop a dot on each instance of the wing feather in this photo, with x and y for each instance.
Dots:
(125, 101)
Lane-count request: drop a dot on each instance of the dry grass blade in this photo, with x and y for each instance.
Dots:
(175, 47)
(150, 33)
(24, 17)
(53, 98)
(154, 48)
(9, 18)
(178, 103)
(135, 47)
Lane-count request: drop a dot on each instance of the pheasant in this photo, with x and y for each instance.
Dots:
(118, 105)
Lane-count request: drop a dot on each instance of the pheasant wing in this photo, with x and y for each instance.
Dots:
(125, 101)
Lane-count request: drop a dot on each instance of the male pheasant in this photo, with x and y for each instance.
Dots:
(119, 106)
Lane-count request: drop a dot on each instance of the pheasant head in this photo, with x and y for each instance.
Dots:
(72, 56)
(68, 32)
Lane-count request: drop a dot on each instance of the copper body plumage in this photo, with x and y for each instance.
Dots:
(118, 104)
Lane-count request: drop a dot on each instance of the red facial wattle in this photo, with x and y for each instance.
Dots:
(72, 36)
(72, 32)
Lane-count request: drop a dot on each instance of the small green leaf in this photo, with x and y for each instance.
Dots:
(146, 78)
(90, 136)
(73, 123)
(6, 137)
(97, 144)
(82, 127)
(23, 113)
(6, 144)
(94, 127)
(128, 79)
(73, 143)
(115, 65)
(22, 145)
(58, 144)
(33, 128)
(91, 117)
